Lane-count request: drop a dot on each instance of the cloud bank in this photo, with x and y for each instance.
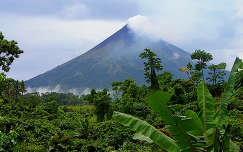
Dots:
(215, 26)
(59, 89)
(53, 32)
(48, 42)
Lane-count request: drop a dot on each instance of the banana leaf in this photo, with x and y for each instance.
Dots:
(145, 129)
(158, 101)
(194, 122)
(138, 136)
(226, 139)
(206, 105)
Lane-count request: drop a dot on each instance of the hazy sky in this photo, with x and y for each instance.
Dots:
(52, 32)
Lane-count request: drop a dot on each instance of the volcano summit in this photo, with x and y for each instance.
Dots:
(114, 59)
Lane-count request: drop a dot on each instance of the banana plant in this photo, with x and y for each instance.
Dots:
(186, 132)
(206, 131)
(221, 116)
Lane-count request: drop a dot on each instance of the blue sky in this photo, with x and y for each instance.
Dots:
(52, 32)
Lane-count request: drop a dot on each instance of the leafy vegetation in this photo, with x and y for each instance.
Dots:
(169, 115)
(191, 132)
(9, 51)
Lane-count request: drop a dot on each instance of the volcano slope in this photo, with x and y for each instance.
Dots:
(114, 59)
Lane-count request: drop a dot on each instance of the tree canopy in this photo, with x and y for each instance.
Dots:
(9, 51)
(202, 57)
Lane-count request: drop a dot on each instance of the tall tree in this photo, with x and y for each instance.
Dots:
(216, 76)
(152, 65)
(202, 58)
(216, 73)
(9, 50)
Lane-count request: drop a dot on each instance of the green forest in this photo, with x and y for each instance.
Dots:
(200, 113)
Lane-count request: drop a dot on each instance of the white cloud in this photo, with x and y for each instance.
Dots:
(75, 10)
(227, 55)
(215, 26)
(232, 50)
(48, 42)
(57, 89)
(39, 31)
(143, 27)
(176, 55)
(239, 8)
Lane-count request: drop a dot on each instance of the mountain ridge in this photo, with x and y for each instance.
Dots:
(114, 59)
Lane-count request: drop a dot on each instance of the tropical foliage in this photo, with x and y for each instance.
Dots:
(207, 131)
(169, 115)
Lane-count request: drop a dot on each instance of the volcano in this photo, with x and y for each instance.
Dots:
(114, 59)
